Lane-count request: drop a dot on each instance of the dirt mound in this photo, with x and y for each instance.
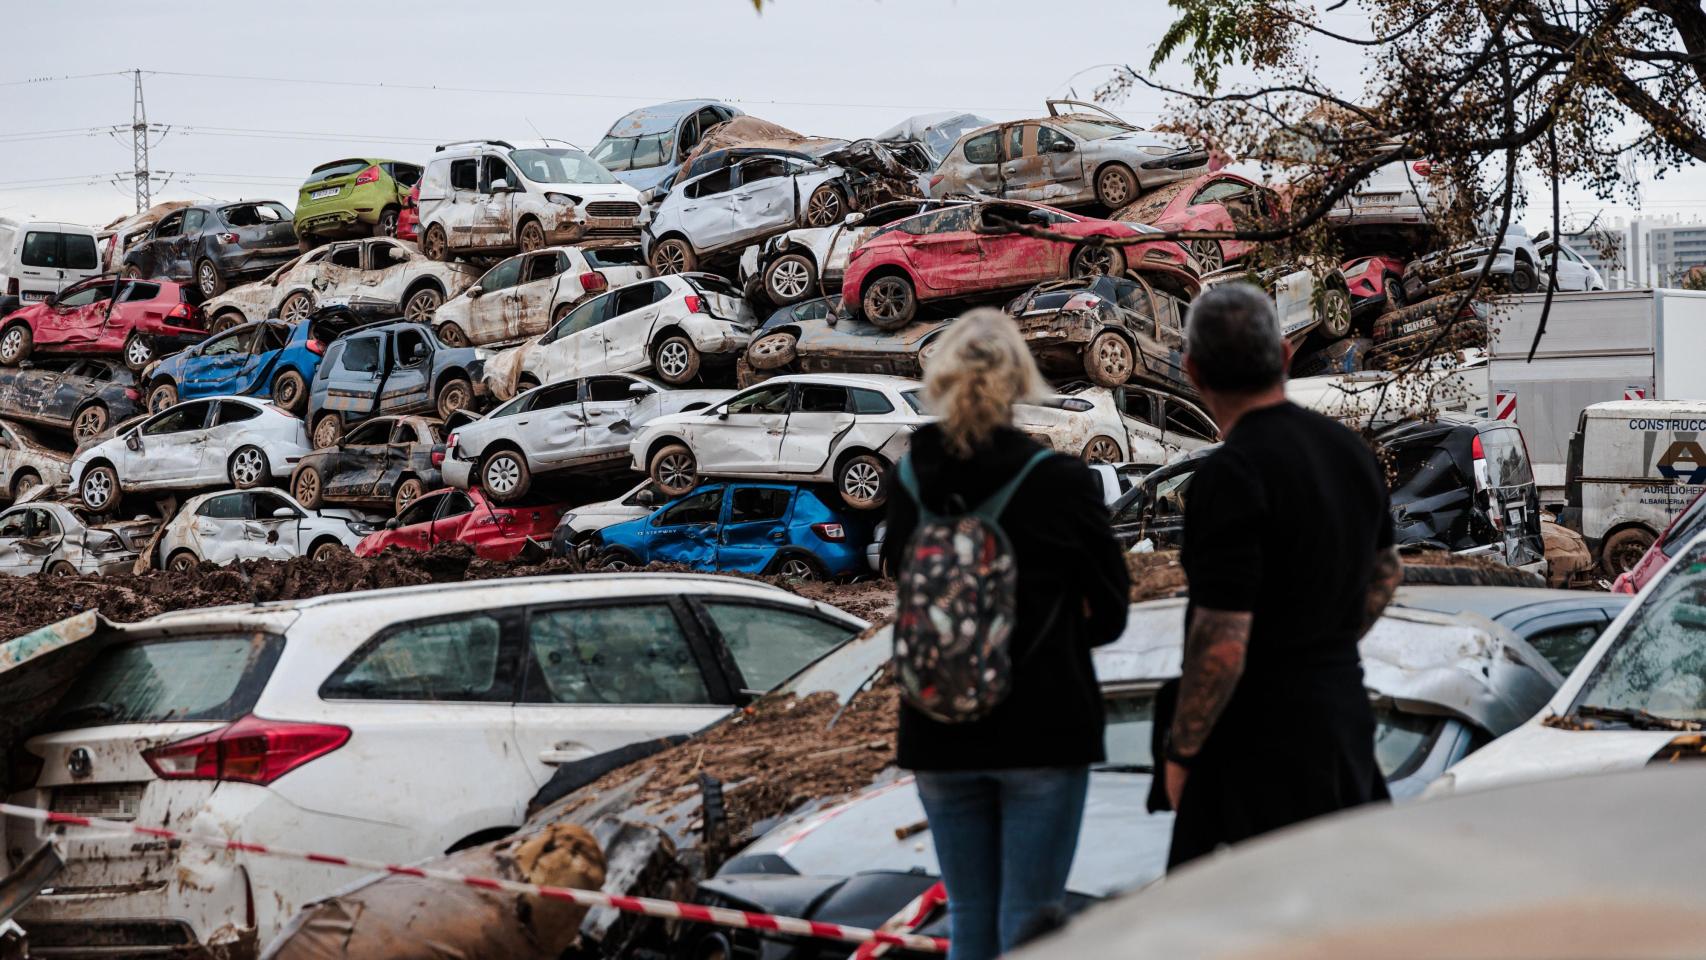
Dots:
(1155, 575)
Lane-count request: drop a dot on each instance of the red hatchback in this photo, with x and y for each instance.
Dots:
(1214, 201)
(147, 320)
(1687, 525)
(495, 531)
(942, 255)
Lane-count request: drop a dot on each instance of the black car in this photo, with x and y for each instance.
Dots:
(1464, 484)
(1111, 329)
(1154, 510)
(214, 246)
(80, 397)
(384, 462)
(390, 369)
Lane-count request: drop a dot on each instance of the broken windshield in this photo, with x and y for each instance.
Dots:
(559, 165)
(256, 214)
(635, 153)
(1657, 663)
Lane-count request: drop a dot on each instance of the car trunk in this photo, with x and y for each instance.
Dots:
(329, 183)
(257, 235)
(619, 265)
(723, 301)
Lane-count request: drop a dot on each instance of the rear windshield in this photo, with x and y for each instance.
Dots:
(614, 257)
(64, 251)
(256, 214)
(1424, 470)
(210, 677)
(339, 169)
(710, 283)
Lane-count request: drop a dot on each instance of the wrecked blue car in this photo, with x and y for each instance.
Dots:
(266, 358)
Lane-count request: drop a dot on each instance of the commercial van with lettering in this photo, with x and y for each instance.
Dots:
(1633, 466)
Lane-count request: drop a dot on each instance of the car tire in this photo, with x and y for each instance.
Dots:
(674, 255)
(132, 272)
(182, 561)
(789, 279)
(1116, 186)
(422, 304)
(825, 207)
(138, 353)
(504, 475)
(1336, 320)
(327, 430)
(796, 567)
(530, 237)
(296, 307)
(1622, 551)
(616, 559)
(248, 468)
(773, 351)
(163, 395)
(15, 344)
(1208, 253)
(863, 481)
(290, 392)
(456, 394)
(1393, 287)
(1102, 449)
(676, 360)
(61, 568)
(308, 487)
(23, 482)
(386, 225)
(227, 320)
(562, 311)
(99, 489)
(89, 422)
(327, 550)
(1108, 360)
(434, 244)
(1090, 260)
(208, 280)
(1523, 278)
(675, 470)
(451, 335)
(409, 489)
(889, 302)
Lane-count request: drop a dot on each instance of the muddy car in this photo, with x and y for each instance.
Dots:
(1516, 266)
(27, 463)
(255, 524)
(135, 320)
(355, 197)
(1310, 299)
(215, 246)
(818, 336)
(1101, 425)
(379, 278)
(1110, 329)
(524, 295)
(1376, 284)
(62, 539)
(1214, 201)
(807, 262)
(383, 463)
(714, 215)
(389, 368)
(934, 133)
(647, 145)
(1465, 484)
(496, 531)
(79, 397)
(1422, 327)
(270, 358)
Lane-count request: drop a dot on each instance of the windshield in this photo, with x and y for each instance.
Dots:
(1657, 663)
(1087, 129)
(559, 165)
(215, 677)
(635, 153)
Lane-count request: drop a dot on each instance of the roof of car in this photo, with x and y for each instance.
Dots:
(657, 118)
(1496, 602)
(851, 380)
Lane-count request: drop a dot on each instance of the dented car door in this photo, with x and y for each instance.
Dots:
(361, 454)
(272, 527)
(528, 309)
(687, 532)
(624, 337)
(551, 430)
(494, 223)
(747, 435)
(820, 414)
(490, 316)
(763, 199)
(14, 534)
(610, 405)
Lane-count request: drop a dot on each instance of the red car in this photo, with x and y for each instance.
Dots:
(940, 255)
(495, 531)
(1687, 524)
(1376, 284)
(1213, 201)
(409, 218)
(148, 320)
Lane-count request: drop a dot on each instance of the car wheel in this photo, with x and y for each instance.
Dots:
(138, 352)
(772, 351)
(327, 550)
(422, 304)
(308, 488)
(451, 335)
(133, 272)
(790, 279)
(61, 568)
(1335, 313)
(91, 420)
(675, 470)
(504, 476)
(1208, 255)
(676, 360)
(290, 392)
(1393, 287)
(1089, 261)
(456, 394)
(673, 256)
(616, 560)
(863, 482)
(226, 320)
(825, 208)
(1108, 360)
(182, 561)
(1623, 550)
(23, 483)
(295, 307)
(531, 237)
(249, 468)
(889, 302)
(1523, 277)
(562, 311)
(1116, 186)
(208, 280)
(99, 488)
(407, 492)
(386, 225)
(796, 567)
(15, 344)
(434, 244)
(327, 430)
(1102, 449)
(162, 396)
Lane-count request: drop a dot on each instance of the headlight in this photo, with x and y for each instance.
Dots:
(1158, 151)
(361, 527)
(564, 198)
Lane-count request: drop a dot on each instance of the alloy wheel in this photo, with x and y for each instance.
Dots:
(794, 568)
(97, 490)
(89, 423)
(137, 352)
(294, 308)
(888, 299)
(422, 306)
(677, 471)
(673, 359)
(308, 486)
(824, 207)
(502, 474)
(208, 278)
(789, 280)
(12, 344)
(1102, 450)
(670, 257)
(246, 468)
(861, 482)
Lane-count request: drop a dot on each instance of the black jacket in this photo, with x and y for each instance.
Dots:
(1073, 593)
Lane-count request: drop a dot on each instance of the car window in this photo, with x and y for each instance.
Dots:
(1507, 461)
(710, 184)
(456, 658)
(361, 355)
(85, 296)
(177, 679)
(184, 416)
(503, 276)
(455, 505)
(1564, 646)
(544, 266)
(493, 169)
(231, 411)
(763, 168)
(14, 525)
(611, 389)
(1048, 138)
(870, 402)
(170, 226)
(1400, 739)
(637, 296)
(1182, 419)
(1016, 137)
(1131, 720)
(584, 317)
(770, 644)
(237, 341)
(406, 174)
(811, 310)
(405, 434)
(384, 255)
(984, 148)
(371, 433)
(264, 503)
(819, 398)
(421, 511)
(273, 336)
(464, 174)
(768, 399)
(957, 220)
(1421, 470)
(702, 507)
(229, 506)
(1657, 661)
(754, 504)
(346, 256)
(1219, 190)
(43, 523)
(411, 346)
(255, 214)
(193, 221)
(633, 653)
(556, 395)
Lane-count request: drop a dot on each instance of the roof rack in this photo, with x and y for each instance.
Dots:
(460, 143)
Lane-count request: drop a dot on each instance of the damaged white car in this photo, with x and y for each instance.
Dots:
(1125, 424)
(260, 524)
(237, 441)
(379, 278)
(26, 462)
(525, 294)
(572, 425)
(807, 262)
(56, 539)
(713, 214)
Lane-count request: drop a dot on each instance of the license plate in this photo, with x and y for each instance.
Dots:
(323, 194)
(112, 801)
(1388, 199)
(609, 223)
(34, 295)
(1514, 516)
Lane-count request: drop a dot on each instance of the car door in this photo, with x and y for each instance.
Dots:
(155, 256)
(1569, 274)
(172, 445)
(11, 456)
(603, 674)
(414, 525)
(746, 435)
(1007, 259)
(550, 430)
(624, 335)
(494, 218)
(982, 166)
(768, 641)
(184, 247)
(685, 532)
(217, 363)
(1059, 164)
(569, 349)
(218, 527)
(944, 252)
(608, 405)
(754, 525)
(67, 383)
(75, 317)
(817, 418)
(461, 213)
(529, 307)
(360, 458)
(355, 375)
(706, 210)
(273, 526)
(27, 536)
(492, 316)
(407, 387)
(763, 198)
(453, 511)
(406, 437)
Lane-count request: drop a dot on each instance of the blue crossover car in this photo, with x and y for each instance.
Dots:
(746, 527)
(267, 358)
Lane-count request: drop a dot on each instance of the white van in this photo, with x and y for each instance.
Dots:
(1633, 466)
(485, 197)
(39, 258)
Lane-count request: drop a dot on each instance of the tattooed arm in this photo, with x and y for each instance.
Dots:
(1214, 660)
(1388, 573)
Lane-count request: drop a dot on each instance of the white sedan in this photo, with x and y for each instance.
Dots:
(795, 264)
(522, 296)
(1124, 424)
(575, 424)
(849, 430)
(238, 441)
(256, 524)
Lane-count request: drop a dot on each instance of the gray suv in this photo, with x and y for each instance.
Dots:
(391, 368)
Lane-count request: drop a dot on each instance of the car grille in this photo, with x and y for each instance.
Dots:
(612, 233)
(112, 801)
(114, 938)
(612, 208)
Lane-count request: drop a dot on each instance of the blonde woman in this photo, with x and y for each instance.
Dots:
(1005, 793)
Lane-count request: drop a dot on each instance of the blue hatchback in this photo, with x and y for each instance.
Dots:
(746, 527)
(266, 358)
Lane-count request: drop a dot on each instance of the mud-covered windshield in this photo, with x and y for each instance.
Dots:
(559, 165)
(211, 677)
(635, 153)
(1657, 664)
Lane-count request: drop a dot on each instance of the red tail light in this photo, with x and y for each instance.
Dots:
(229, 238)
(182, 311)
(132, 394)
(251, 750)
(1478, 451)
(1422, 168)
(438, 458)
(415, 195)
(693, 303)
(370, 175)
(594, 282)
(451, 443)
(315, 347)
(830, 531)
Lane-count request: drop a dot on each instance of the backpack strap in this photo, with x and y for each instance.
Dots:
(990, 509)
(909, 482)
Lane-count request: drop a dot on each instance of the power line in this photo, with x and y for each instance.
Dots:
(68, 76)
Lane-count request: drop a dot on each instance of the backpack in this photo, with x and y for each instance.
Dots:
(958, 598)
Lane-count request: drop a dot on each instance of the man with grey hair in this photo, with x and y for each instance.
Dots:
(1288, 552)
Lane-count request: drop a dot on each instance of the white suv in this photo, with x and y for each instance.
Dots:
(484, 197)
(390, 724)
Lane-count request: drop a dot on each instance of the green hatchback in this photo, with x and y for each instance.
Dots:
(353, 198)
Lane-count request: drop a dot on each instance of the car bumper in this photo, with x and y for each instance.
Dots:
(886, 364)
(255, 263)
(457, 472)
(332, 223)
(1426, 277)
(727, 340)
(1189, 162)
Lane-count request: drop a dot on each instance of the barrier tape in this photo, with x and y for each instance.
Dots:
(666, 909)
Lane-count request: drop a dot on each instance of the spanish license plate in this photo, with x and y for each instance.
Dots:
(323, 194)
(112, 801)
(609, 223)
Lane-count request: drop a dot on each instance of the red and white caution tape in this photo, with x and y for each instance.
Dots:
(668, 909)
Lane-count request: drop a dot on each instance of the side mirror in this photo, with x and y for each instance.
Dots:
(500, 185)
(853, 218)
(1062, 146)
(134, 442)
(283, 513)
(647, 497)
(475, 291)
(639, 390)
(1038, 216)
(393, 523)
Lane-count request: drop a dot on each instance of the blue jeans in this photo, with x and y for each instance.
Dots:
(1005, 840)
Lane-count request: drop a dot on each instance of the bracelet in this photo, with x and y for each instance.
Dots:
(1173, 756)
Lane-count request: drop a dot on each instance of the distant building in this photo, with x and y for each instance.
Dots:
(1609, 251)
(1674, 249)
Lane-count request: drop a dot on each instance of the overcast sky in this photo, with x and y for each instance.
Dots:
(843, 68)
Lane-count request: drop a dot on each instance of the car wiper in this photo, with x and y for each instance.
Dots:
(1636, 719)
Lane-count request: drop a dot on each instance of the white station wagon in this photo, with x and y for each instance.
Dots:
(254, 525)
(391, 724)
